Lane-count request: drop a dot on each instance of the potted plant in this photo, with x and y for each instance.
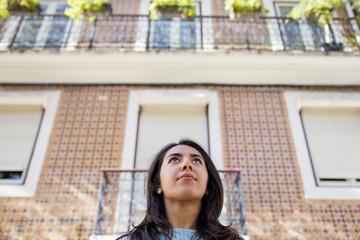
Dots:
(19, 7)
(244, 8)
(88, 9)
(172, 8)
(322, 10)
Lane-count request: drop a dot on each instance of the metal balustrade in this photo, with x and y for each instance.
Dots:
(139, 33)
(123, 201)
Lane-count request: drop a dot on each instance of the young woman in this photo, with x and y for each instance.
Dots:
(184, 197)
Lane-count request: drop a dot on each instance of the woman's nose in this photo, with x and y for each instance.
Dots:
(187, 165)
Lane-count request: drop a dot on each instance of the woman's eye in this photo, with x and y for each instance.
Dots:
(173, 160)
(196, 160)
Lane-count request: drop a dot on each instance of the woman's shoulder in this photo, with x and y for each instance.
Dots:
(178, 234)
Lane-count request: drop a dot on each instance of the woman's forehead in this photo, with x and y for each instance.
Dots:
(183, 150)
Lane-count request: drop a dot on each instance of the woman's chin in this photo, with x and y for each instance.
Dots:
(188, 195)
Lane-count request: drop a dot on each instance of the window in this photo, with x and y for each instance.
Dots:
(175, 33)
(57, 29)
(300, 35)
(168, 123)
(38, 32)
(19, 125)
(333, 139)
(200, 106)
(326, 133)
(291, 30)
(26, 120)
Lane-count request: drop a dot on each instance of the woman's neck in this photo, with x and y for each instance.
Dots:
(182, 214)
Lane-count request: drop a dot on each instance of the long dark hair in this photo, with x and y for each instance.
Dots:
(155, 222)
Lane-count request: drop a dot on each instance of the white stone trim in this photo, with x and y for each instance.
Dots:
(294, 102)
(208, 33)
(273, 27)
(174, 97)
(49, 100)
(130, 131)
(9, 33)
(141, 35)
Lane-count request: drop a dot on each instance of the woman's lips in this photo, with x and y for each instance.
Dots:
(187, 177)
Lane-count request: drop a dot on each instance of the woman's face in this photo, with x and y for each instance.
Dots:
(183, 174)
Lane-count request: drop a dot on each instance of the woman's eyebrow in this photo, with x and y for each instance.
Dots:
(180, 155)
(196, 155)
(174, 154)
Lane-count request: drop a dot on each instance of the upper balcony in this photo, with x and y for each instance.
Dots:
(202, 33)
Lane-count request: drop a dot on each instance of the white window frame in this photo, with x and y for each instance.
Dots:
(136, 98)
(49, 101)
(294, 102)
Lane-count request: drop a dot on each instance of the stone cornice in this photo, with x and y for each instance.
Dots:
(179, 68)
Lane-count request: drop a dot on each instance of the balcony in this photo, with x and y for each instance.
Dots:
(208, 33)
(123, 201)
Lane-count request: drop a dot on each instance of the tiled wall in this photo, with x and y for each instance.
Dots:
(258, 139)
(88, 134)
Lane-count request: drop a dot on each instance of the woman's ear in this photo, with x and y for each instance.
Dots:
(159, 190)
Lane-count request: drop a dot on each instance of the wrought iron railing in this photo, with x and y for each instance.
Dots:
(123, 202)
(139, 33)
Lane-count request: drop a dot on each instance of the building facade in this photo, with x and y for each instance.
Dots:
(285, 112)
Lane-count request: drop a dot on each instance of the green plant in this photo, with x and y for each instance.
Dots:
(243, 6)
(3, 9)
(7, 6)
(184, 7)
(88, 9)
(320, 9)
(356, 6)
(352, 41)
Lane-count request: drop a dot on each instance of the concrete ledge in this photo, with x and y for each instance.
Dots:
(179, 68)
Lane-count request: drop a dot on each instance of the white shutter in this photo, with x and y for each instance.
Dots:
(18, 129)
(160, 125)
(333, 135)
